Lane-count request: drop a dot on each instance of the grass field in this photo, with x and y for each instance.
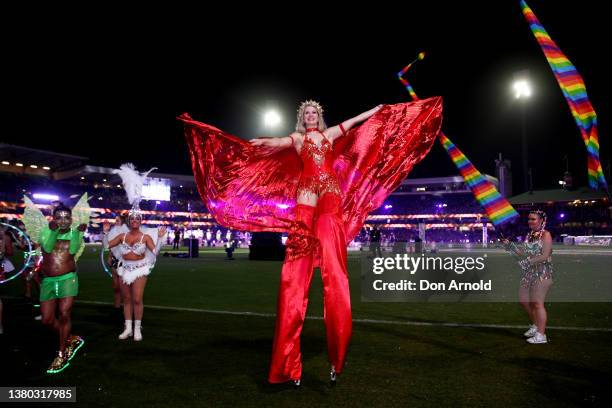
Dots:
(208, 329)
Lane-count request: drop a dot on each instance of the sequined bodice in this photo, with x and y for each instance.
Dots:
(318, 176)
(539, 271)
(138, 248)
(534, 248)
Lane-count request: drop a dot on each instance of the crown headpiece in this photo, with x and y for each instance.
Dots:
(312, 103)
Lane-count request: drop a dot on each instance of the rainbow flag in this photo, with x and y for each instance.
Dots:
(498, 209)
(574, 91)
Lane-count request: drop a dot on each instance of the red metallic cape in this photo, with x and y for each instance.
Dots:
(248, 190)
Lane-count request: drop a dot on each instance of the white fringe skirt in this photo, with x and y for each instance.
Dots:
(129, 271)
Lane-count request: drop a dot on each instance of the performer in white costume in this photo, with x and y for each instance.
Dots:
(137, 249)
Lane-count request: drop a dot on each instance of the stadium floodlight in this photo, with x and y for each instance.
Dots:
(522, 89)
(46, 197)
(522, 92)
(271, 119)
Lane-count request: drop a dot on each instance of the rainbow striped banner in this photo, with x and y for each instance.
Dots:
(400, 76)
(498, 209)
(574, 90)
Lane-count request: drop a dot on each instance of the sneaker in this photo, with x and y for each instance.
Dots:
(533, 329)
(58, 365)
(74, 343)
(538, 338)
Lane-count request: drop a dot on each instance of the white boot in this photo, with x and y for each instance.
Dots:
(137, 328)
(127, 332)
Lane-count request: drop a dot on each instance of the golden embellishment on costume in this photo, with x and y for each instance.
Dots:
(319, 185)
(316, 152)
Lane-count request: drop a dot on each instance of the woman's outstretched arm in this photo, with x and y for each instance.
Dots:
(273, 144)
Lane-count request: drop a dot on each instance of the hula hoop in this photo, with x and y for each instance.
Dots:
(26, 254)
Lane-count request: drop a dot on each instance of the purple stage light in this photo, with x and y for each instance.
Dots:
(47, 197)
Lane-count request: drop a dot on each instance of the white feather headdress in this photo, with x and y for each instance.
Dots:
(132, 183)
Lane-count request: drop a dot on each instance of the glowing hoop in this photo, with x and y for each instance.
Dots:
(28, 255)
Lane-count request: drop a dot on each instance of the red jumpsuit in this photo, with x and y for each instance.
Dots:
(317, 232)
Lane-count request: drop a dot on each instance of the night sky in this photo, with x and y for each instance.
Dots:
(109, 84)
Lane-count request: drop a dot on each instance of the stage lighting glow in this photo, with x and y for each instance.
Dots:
(19, 164)
(522, 89)
(282, 206)
(46, 197)
(388, 206)
(6, 163)
(272, 118)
